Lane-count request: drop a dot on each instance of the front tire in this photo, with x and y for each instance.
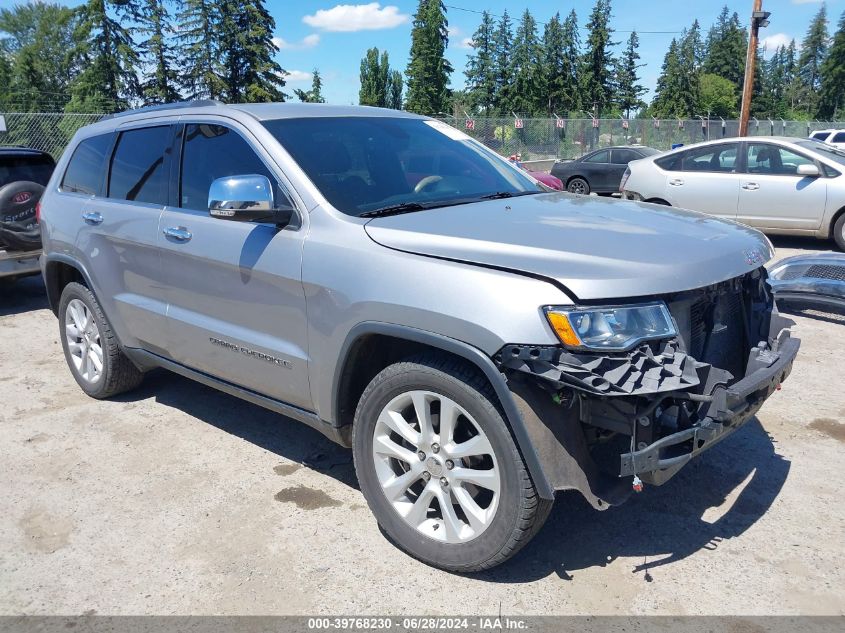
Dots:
(578, 186)
(439, 467)
(839, 232)
(91, 349)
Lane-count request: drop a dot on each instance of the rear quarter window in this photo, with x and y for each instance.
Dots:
(839, 137)
(26, 168)
(672, 162)
(84, 173)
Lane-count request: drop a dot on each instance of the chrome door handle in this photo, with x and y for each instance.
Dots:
(93, 218)
(178, 233)
(751, 186)
(676, 182)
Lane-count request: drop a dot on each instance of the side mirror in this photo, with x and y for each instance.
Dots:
(811, 171)
(246, 199)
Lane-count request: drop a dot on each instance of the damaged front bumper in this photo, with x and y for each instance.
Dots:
(656, 406)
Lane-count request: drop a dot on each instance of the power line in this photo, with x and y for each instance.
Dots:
(583, 28)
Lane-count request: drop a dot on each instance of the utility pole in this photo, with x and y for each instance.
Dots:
(758, 18)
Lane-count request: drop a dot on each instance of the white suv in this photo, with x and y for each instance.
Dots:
(831, 137)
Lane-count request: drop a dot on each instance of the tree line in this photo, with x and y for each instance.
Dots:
(107, 55)
(520, 70)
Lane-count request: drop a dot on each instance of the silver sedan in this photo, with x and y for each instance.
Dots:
(779, 185)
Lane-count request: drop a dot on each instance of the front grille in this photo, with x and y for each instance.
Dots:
(817, 271)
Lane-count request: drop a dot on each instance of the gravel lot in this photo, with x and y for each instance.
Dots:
(177, 499)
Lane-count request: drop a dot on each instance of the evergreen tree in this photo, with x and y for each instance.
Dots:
(813, 51)
(160, 84)
(375, 71)
(528, 81)
(597, 81)
(199, 49)
(725, 48)
(690, 56)
(396, 84)
(428, 69)
(503, 43)
(571, 64)
(251, 73)
(629, 90)
(107, 57)
(480, 71)
(553, 65)
(315, 95)
(668, 100)
(832, 96)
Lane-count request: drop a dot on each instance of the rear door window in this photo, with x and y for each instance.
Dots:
(84, 172)
(712, 158)
(599, 157)
(138, 166)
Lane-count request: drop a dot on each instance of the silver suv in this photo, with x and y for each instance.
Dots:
(478, 341)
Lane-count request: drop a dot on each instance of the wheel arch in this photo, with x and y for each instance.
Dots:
(59, 271)
(371, 346)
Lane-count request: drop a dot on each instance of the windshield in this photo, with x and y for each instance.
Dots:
(828, 151)
(365, 164)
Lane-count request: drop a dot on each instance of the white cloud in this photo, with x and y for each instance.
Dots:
(357, 17)
(466, 43)
(297, 75)
(309, 41)
(771, 42)
(454, 31)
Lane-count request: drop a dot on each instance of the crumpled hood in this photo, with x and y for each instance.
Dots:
(597, 248)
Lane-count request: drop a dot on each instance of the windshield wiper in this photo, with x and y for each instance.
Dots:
(498, 195)
(394, 209)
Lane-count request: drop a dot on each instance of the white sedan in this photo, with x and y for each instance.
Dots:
(779, 185)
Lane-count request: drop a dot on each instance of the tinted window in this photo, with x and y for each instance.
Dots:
(32, 168)
(137, 168)
(85, 170)
(714, 158)
(599, 157)
(771, 159)
(214, 151)
(364, 163)
(839, 137)
(624, 156)
(672, 162)
(820, 136)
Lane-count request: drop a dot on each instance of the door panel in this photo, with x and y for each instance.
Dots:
(773, 196)
(703, 179)
(119, 236)
(236, 302)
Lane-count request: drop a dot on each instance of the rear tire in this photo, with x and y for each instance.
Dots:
(578, 186)
(99, 366)
(839, 232)
(481, 527)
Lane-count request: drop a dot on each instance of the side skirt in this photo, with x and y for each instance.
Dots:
(147, 360)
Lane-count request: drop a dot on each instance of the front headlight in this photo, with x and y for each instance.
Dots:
(611, 329)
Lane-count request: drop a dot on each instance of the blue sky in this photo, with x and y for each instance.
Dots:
(333, 35)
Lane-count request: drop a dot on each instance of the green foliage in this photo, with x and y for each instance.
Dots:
(199, 49)
(832, 96)
(628, 89)
(315, 95)
(428, 69)
(718, 96)
(480, 70)
(668, 100)
(394, 94)
(727, 42)
(528, 96)
(250, 72)
(596, 78)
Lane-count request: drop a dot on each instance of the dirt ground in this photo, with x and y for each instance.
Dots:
(177, 499)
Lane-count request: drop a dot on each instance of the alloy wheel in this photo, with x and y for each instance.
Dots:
(83, 341)
(436, 466)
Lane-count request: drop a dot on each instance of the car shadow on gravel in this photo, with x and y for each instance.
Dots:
(271, 431)
(716, 497)
(23, 295)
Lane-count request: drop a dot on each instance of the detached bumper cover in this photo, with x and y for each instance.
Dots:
(729, 409)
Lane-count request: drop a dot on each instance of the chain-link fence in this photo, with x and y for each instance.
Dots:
(49, 132)
(538, 139)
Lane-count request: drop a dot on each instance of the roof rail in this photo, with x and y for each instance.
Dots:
(167, 106)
